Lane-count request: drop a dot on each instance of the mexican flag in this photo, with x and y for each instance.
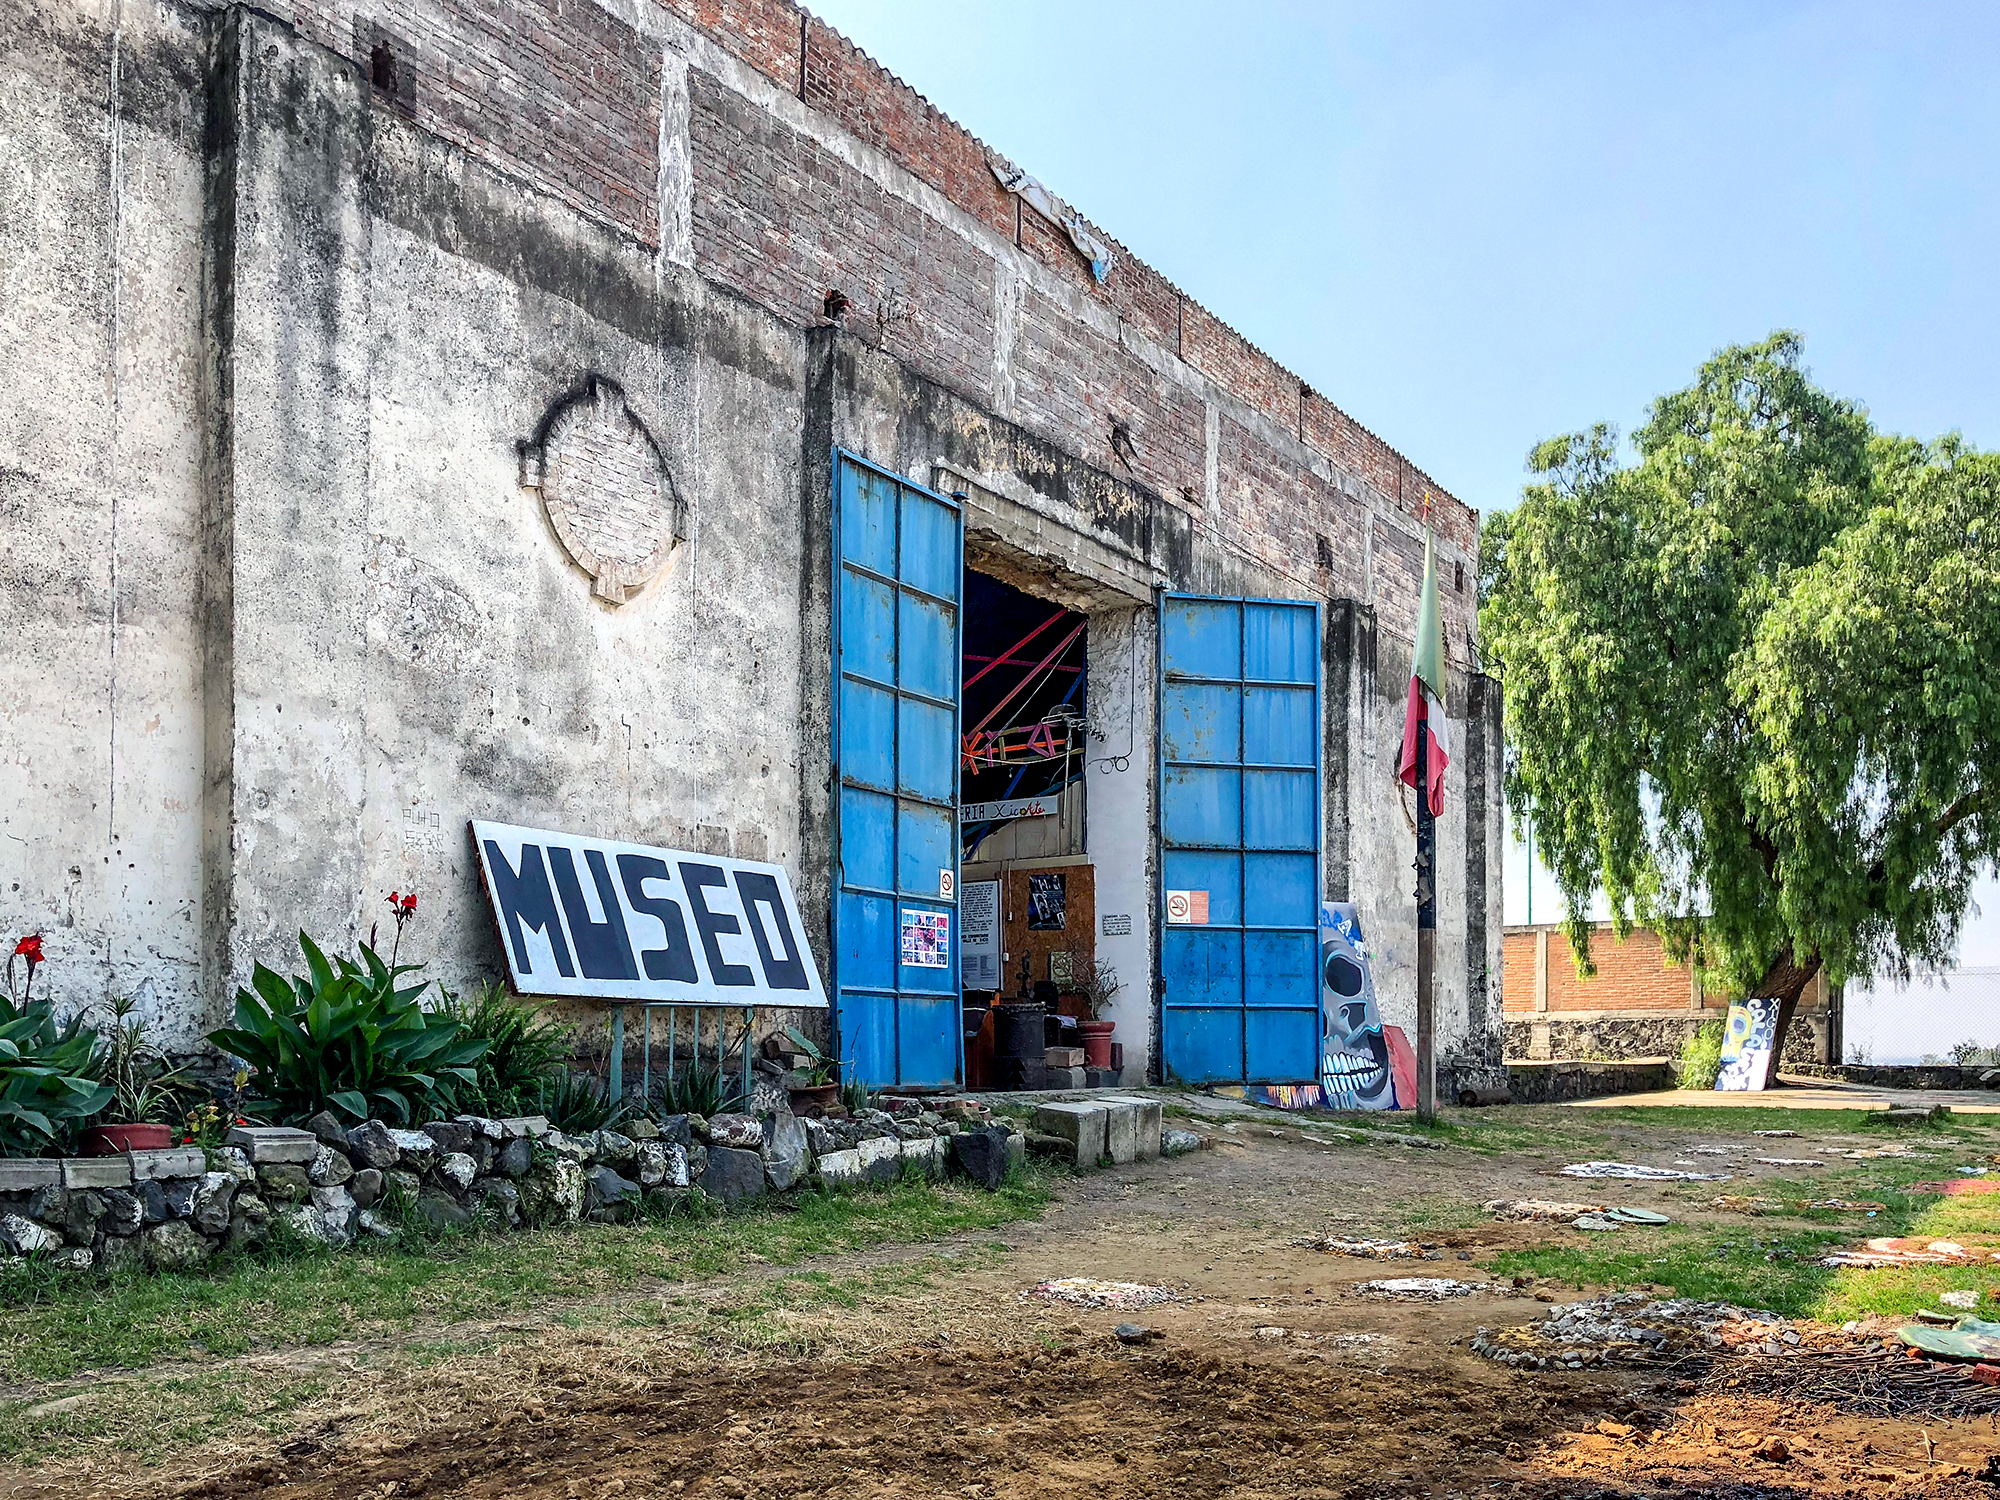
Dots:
(1425, 714)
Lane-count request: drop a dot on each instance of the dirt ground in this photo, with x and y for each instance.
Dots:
(1272, 1376)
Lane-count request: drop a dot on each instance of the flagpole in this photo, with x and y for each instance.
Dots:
(1426, 935)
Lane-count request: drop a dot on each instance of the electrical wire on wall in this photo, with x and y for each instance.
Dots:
(1110, 763)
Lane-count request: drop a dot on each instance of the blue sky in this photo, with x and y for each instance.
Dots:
(1474, 226)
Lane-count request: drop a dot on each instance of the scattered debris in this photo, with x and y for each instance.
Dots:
(1789, 1161)
(1846, 1206)
(1775, 1133)
(1714, 1150)
(1638, 1173)
(1622, 1215)
(1595, 1222)
(1088, 1291)
(1909, 1114)
(1914, 1250)
(1335, 1244)
(1425, 1288)
(1964, 1301)
(1969, 1339)
(1540, 1209)
(1630, 1327)
(1872, 1379)
(1877, 1153)
(1177, 1142)
(1957, 1187)
(1136, 1333)
(1738, 1203)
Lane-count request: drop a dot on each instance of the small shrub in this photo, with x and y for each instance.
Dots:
(525, 1051)
(344, 1037)
(1700, 1057)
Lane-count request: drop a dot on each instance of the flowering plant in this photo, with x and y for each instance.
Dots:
(29, 948)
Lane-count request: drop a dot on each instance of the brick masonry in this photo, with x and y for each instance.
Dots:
(567, 95)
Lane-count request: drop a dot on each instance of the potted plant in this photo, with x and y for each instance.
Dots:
(144, 1087)
(815, 1087)
(1098, 984)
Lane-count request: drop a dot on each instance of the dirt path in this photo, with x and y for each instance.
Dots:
(923, 1371)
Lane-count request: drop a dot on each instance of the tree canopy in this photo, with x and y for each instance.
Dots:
(1752, 676)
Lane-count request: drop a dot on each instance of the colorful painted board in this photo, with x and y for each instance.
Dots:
(1746, 1045)
(926, 939)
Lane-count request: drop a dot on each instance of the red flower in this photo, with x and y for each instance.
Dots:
(410, 902)
(30, 948)
(395, 899)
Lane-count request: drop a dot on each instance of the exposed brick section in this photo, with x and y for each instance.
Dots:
(1276, 510)
(785, 222)
(763, 33)
(1071, 383)
(556, 92)
(1238, 366)
(879, 108)
(1632, 975)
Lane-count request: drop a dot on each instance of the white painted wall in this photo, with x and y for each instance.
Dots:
(1122, 644)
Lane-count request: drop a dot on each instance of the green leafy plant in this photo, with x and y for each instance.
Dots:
(576, 1104)
(525, 1050)
(48, 1085)
(344, 1036)
(1700, 1057)
(146, 1089)
(819, 1069)
(854, 1095)
(701, 1089)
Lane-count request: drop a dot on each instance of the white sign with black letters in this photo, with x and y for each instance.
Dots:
(615, 921)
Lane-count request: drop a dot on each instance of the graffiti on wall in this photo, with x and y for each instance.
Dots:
(1362, 1063)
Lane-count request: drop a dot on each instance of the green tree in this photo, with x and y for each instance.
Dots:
(1753, 678)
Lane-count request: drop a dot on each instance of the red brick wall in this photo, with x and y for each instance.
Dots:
(567, 97)
(554, 91)
(1631, 976)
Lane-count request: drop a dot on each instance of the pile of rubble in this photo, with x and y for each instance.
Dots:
(1632, 1327)
(1337, 1244)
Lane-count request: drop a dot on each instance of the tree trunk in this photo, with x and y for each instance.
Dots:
(1786, 980)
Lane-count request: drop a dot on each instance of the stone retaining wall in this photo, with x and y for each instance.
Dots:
(1901, 1076)
(1558, 1082)
(173, 1209)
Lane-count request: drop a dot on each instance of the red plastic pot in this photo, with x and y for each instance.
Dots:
(1097, 1042)
(109, 1140)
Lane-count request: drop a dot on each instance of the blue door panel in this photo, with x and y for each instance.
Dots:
(896, 669)
(1279, 727)
(1280, 890)
(1240, 826)
(868, 838)
(1274, 1040)
(1201, 721)
(929, 648)
(1280, 810)
(1208, 1043)
(868, 735)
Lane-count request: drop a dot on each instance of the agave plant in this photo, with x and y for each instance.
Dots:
(525, 1049)
(344, 1036)
(46, 1082)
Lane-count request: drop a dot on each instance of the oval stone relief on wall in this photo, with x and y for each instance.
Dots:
(606, 488)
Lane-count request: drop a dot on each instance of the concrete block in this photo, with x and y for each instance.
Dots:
(25, 1174)
(277, 1143)
(1150, 1120)
(1062, 1057)
(840, 1169)
(1065, 1078)
(1017, 1150)
(1121, 1130)
(881, 1159)
(97, 1172)
(172, 1161)
(1081, 1125)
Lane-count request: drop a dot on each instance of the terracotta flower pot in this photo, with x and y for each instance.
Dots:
(813, 1100)
(110, 1140)
(1097, 1042)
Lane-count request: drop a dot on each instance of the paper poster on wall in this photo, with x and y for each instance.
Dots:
(926, 939)
(1187, 908)
(979, 935)
(1048, 900)
(1746, 1044)
(617, 921)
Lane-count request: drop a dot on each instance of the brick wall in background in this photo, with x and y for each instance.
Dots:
(557, 92)
(1633, 975)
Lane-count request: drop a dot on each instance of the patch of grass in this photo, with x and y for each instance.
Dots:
(153, 1418)
(59, 1326)
(1419, 1215)
(1741, 1120)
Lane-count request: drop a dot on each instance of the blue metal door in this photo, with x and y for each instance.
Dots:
(897, 555)
(1239, 839)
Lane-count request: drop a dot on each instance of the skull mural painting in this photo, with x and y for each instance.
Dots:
(1363, 1064)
